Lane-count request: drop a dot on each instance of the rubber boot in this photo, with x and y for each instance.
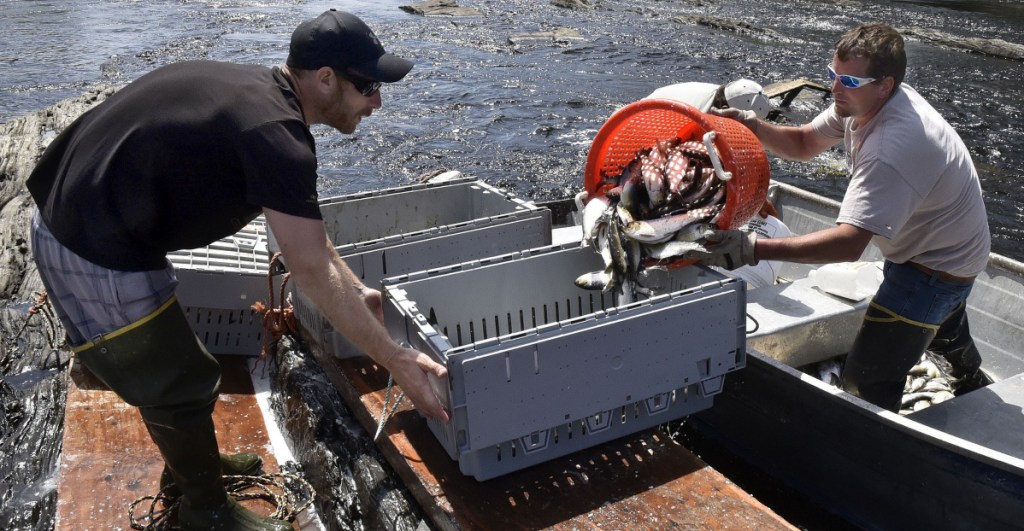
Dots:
(885, 349)
(954, 343)
(188, 443)
(243, 464)
(158, 365)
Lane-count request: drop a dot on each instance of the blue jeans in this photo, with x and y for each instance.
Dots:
(917, 296)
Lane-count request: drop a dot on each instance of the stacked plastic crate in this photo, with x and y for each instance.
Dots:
(412, 228)
(218, 285)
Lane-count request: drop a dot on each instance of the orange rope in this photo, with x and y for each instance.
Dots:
(276, 321)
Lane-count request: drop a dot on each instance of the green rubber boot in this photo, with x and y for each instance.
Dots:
(244, 464)
(158, 365)
(188, 443)
(954, 343)
(885, 349)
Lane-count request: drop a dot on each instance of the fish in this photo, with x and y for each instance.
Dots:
(592, 214)
(673, 249)
(657, 208)
(594, 280)
(633, 196)
(677, 174)
(654, 182)
(664, 228)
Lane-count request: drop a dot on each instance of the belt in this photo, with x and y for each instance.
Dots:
(941, 275)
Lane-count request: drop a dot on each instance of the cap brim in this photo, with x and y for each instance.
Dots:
(388, 68)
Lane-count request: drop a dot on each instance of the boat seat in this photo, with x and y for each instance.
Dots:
(992, 416)
(798, 324)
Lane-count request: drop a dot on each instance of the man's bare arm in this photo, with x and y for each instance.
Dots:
(351, 307)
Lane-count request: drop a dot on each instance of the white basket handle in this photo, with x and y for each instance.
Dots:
(709, 142)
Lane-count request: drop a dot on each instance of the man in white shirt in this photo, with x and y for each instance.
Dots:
(913, 192)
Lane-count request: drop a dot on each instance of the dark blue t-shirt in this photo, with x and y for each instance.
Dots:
(182, 157)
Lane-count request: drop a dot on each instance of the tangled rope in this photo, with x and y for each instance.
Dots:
(290, 494)
(276, 321)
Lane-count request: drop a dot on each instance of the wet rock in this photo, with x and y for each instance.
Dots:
(573, 4)
(441, 8)
(33, 385)
(355, 487)
(557, 35)
(993, 47)
(738, 27)
(22, 142)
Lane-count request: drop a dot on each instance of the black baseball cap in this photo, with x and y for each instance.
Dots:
(342, 41)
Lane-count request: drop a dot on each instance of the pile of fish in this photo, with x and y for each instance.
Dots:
(927, 384)
(658, 208)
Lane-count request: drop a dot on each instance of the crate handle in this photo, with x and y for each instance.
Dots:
(246, 243)
(709, 142)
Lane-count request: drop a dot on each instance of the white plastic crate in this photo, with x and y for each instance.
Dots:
(538, 368)
(218, 285)
(412, 228)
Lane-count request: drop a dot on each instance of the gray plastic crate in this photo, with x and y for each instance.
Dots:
(412, 228)
(218, 285)
(538, 368)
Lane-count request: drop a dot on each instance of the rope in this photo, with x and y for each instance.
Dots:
(290, 494)
(43, 307)
(41, 302)
(276, 321)
(385, 414)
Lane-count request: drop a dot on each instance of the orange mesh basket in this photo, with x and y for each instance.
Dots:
(641, 124)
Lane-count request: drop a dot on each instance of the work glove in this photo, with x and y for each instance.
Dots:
(747, 118)
(727, 249)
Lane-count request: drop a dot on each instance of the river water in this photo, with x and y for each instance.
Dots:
(522, 116)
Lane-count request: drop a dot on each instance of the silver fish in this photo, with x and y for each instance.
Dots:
(595, 209)
(661, 229)
(594, 280)
(673, 248)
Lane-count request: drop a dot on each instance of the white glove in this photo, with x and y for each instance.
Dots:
(747, 118)
(727, 249)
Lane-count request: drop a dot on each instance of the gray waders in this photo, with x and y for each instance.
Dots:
(886, 348)
(158, 365)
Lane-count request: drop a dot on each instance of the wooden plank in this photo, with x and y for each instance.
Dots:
(643, 481)
(108, 460)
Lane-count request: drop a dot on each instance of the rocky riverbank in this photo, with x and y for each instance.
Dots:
(355, 487)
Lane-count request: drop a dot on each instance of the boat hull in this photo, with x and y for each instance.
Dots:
(872, 467)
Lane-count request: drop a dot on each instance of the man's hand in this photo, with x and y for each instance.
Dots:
(728, 249)
(747, 118)
(411, 369)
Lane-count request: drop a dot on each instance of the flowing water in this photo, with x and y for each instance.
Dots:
(522, 116)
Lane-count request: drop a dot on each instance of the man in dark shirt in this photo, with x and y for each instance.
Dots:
(185, 155)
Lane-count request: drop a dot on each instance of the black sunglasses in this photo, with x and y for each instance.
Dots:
(364, 86)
